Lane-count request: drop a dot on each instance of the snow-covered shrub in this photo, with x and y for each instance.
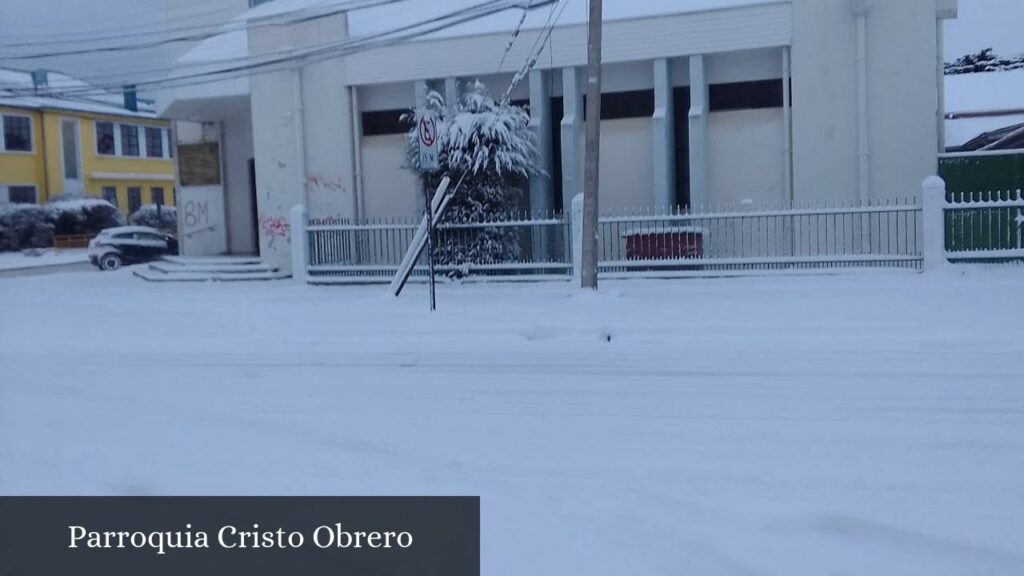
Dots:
(82, 215)
(489, 147)
(984, 61)
(24, 226)
(162, 217)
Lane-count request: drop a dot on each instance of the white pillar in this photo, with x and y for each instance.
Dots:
(933, 223)
(540, 123)
(572, 134)
(664, 149)
(576, 220)
(698, 119)
(300, 246)
(421, 92)
(451, 91)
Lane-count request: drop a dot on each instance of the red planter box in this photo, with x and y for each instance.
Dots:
(670, 244)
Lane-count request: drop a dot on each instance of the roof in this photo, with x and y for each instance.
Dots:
(233, 43)
(17, 91)
(982, 103)
(1008, 138)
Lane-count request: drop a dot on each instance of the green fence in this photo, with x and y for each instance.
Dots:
(983, 177)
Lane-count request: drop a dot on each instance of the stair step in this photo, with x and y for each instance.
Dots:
(157, 276)
(210, 268)
(211, 260)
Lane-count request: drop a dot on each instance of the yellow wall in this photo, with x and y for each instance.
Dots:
(23, 168)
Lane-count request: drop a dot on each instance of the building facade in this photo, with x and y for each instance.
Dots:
(739, 102)
(65, 146)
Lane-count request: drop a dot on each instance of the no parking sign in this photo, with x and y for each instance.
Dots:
(427, 131)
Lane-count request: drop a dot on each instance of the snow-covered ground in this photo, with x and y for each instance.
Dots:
(867, 424)
(41, 258)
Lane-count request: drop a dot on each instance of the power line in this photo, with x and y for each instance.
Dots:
(286, 59)
(237, 26)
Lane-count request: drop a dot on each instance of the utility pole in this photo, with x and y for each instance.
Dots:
(592, 150)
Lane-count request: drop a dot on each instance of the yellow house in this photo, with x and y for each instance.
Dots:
(88, 145)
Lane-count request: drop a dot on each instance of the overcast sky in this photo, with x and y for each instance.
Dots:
(982, 24)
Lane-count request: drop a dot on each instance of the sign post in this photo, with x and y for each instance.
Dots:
(429, 162)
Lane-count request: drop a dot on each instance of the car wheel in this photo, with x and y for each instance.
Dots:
(111, 262)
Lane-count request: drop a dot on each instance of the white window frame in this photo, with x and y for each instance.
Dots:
(31, 134)
(5, 193)
(140, 133)
(96, 138)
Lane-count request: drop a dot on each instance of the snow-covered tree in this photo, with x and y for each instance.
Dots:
(984, 61)
(489, 147)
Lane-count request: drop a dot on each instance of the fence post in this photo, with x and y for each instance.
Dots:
(933, 223)
(576, 219)
(300, 243)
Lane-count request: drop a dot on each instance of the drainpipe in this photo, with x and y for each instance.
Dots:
(300, 135)
(861, 9)
(787, 124)
(357, 151)
(940, 88)
(46, 158)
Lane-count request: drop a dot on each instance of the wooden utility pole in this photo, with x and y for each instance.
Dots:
(592, 150)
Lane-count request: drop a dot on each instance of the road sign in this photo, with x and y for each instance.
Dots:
(427, 130)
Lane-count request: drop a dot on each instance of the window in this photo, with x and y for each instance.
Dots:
(157, 194)
(134, 199)
(154, 142)
(170, 144)
(17, 134)
(129, 140)
(21, 194)
(110, 194)
(745, 95)
(105, 138)
(174, 196)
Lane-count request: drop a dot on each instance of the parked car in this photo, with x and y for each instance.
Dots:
(115, 247)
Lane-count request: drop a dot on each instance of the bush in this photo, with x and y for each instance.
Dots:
(25, 226)
(166, 218)
(83, 216)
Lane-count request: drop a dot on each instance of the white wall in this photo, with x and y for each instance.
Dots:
(627, 171)
(388, 188)
(238, 149)
(745, 157)
(302, 128)
(902, 99)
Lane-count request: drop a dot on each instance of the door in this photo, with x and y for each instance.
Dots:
(71, 157)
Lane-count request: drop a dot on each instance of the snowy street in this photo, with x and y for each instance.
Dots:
(866, 424)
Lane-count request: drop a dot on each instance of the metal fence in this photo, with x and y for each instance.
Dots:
(984, 226)
(678, 243)
(746, 239)
(510, 246)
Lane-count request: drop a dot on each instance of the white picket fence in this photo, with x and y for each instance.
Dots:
(896, 233)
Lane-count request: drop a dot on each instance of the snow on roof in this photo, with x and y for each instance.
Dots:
(985, 92)
(14, 83)
(962, 130)
(391, 16)
(233, 43)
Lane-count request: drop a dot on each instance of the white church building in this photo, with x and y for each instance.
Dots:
(704, 102)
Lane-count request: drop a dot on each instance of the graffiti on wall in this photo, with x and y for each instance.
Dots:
(274, 227)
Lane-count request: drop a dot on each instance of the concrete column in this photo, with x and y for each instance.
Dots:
(664, 149)
(698, 120)
(300, 250)
(540, 123)
(421, 92)
(572, 133)
(933, 223)
(451, 91)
